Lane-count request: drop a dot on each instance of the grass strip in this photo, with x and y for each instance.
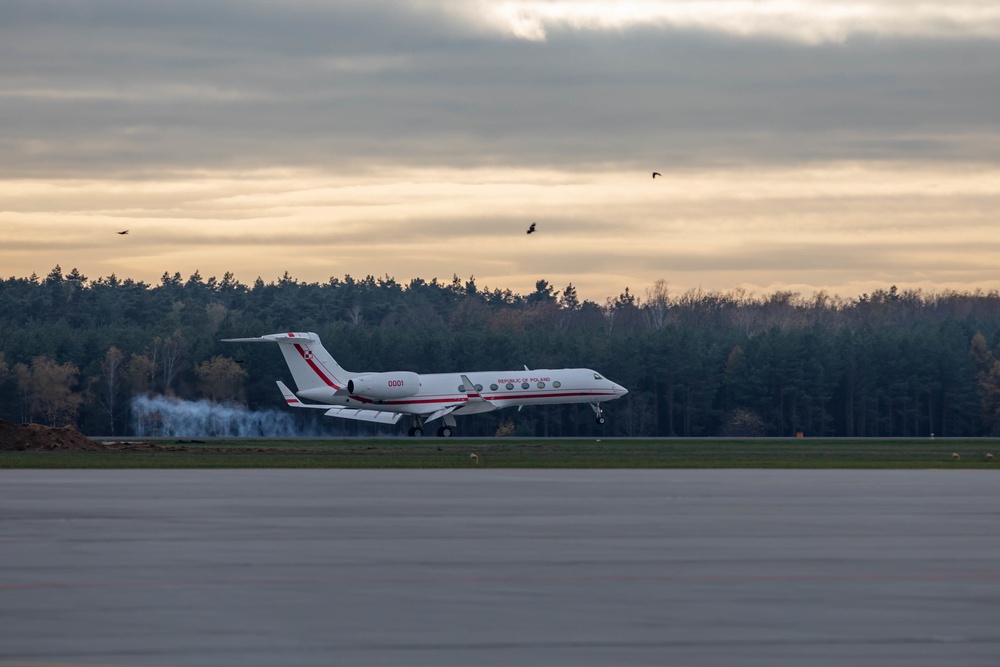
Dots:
(532, 453)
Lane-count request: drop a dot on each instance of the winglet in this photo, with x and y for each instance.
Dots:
(470, 390)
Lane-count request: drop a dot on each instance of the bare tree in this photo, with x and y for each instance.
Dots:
(354, 315)
(610, 310)
(111, 371)
(637, 417)
(172, 351)
(657, 304)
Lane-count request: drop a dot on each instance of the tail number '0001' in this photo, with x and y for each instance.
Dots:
(395, 383)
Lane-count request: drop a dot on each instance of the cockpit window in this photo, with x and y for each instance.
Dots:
(597, 376)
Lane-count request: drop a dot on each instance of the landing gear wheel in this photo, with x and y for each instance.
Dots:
(596, 407)
(444, 432)
(415, 432)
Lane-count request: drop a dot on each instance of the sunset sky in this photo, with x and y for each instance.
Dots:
(803, 145)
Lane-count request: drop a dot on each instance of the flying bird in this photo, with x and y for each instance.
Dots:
(122, 232)
(531, 229)
(656, 173)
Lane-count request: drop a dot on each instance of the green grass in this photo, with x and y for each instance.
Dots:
(534, 453)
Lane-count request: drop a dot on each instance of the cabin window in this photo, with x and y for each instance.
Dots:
(557, 384)
(509, 386)
(494, 387)
(541, 385)
(479, 387)
(525, 385)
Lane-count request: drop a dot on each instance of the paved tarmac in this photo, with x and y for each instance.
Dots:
(487, 567)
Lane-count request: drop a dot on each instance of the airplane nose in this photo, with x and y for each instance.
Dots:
(620, 389)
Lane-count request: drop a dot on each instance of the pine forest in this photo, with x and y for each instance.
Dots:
(900, 363)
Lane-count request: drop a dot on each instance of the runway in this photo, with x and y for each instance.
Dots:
(490, 567)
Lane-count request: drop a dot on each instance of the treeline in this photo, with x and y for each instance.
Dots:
(698, 363)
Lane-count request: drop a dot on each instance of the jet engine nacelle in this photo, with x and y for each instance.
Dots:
(385, 385)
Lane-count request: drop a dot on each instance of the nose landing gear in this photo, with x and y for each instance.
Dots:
(596, 407)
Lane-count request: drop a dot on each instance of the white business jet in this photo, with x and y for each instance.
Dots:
(385, 397)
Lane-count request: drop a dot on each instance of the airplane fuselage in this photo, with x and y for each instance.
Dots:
(498, 389)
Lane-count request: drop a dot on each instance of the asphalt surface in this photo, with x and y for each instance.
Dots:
(483, 567)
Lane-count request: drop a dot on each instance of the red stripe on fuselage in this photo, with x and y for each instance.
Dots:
(464, 397)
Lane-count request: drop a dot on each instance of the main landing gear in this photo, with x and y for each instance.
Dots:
(445, 431)
(596, 407)
(448, 428)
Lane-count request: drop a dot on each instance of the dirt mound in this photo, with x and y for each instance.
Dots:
(35, 437)
(38, 438)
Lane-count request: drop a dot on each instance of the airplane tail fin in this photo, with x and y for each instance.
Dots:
(309, 362)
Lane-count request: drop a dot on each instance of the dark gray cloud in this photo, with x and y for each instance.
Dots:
(126, 87)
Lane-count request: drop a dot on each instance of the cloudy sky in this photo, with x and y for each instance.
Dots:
(803, 144)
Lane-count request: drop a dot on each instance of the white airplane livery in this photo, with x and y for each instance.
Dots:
(386, 397)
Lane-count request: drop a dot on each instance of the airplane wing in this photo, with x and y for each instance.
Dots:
(442, 412)
(472, 396)
(364, 415)
(336, 411)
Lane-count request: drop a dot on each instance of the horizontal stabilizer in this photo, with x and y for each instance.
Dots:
(293, 400)
(364, 415)
(293, 337)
